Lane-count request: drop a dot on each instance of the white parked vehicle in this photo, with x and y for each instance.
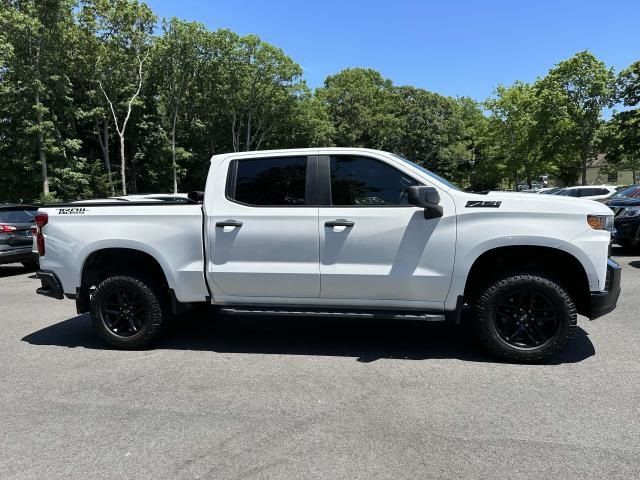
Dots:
(336, 232)
(147, 197)
(588, 192)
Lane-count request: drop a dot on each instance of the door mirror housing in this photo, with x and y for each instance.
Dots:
(427, 198)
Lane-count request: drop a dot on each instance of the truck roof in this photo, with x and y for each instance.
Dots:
(301, 151)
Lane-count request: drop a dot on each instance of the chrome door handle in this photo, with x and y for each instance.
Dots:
(229, 223)
(339, 223)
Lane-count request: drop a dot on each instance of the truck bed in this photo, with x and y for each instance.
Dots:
(170, 232)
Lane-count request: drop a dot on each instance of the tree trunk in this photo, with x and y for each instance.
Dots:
(103, 141)
(123, 176)
(584, 159)
(41, 153)
(173, 153)
(248, 140)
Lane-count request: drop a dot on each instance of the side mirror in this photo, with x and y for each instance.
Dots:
(427, 198)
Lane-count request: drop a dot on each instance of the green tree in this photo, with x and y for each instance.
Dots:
(582, 87)
(34, 35)
(515, 136)
(360, 105)
(622, 137)
(431, 130)
(124, 29)
(179, 64)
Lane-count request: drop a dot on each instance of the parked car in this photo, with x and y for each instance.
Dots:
(147, 197)
(588, 192)
(16, 237)
(549, 190)
(336, 232)
(165, 197)
(626, 220)
(631, 191)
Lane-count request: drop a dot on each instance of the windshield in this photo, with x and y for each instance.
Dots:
(429, 172)
(17, 216)
(630, 192)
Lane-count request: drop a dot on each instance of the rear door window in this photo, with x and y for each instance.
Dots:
(273, 181)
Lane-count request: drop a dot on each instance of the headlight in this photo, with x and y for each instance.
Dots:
(629, 212)
(600, 222)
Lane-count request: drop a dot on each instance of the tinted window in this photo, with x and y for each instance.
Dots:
(430, 173)
(630, 192)
(364, 181)
(271, 181)
(588, 192)
(569, 192)
(17, 216)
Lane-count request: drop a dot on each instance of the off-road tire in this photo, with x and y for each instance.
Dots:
(489, 298)
(155, 311)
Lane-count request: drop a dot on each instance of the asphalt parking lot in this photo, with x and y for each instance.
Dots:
(301, 398)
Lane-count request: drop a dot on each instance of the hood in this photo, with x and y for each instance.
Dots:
(545, 203)
(623, 202)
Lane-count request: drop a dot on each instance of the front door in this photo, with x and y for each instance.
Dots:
(373, 245)
(263, 236)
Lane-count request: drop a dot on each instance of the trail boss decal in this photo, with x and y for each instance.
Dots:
(482, 204)
(72, 211)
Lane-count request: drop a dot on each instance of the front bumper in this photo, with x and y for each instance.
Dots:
(605, 301)
(51, 286)
(18, 255)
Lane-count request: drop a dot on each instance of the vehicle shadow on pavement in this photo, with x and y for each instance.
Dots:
(12, 270)
(365, 340)
(618, 251)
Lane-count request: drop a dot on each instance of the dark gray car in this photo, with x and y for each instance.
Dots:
(16, 237)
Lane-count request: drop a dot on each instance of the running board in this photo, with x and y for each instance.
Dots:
(326, 313)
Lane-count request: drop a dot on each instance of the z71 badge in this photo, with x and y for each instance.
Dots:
(72, 211)
(482, 204)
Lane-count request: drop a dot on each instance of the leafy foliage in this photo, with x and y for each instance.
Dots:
(91, 87)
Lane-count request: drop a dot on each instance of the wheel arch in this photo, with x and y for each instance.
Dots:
(558, 263)
(108, 261)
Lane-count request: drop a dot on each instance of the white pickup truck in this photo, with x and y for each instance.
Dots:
(335, 232)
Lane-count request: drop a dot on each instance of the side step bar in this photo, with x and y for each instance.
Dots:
(331, 313)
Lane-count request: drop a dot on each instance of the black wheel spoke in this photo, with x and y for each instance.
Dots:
(525, 319)
(123, 312)
(537, 334)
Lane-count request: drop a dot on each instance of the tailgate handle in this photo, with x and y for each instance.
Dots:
(229, 223)
(339, 223)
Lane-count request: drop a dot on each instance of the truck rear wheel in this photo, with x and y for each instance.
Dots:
(525, 317)
(127, 312)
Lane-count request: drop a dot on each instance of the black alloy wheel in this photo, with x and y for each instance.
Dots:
(129, 312)
(526, 319)
(123, 312)
(524, 316)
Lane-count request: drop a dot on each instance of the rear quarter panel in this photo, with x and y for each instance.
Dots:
(172, 234)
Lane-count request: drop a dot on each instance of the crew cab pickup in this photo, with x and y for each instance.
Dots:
(336, 232)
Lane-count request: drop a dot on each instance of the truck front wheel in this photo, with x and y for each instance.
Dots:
(127, 312)
(524, 317)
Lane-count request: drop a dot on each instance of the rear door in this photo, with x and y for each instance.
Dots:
(374, 246)
(262, 230)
